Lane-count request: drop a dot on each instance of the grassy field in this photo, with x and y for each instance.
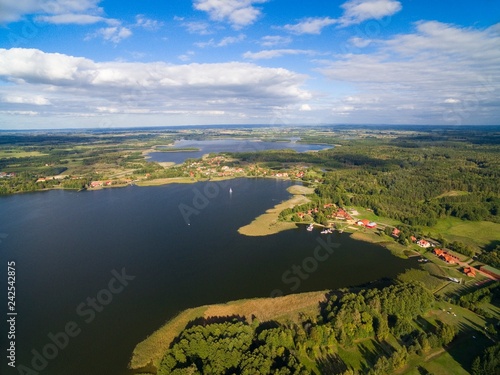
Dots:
(474, 233)
(19, 154)
(364, 213)
(149, 352)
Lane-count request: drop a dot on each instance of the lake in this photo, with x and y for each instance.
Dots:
(69, 248)
(226, 145)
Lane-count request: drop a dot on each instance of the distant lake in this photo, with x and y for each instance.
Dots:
(228, 145)
(66, 245)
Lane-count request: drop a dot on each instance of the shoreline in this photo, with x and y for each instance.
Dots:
(370, 237)
(263, 225)
(267, 223)
(147, 354)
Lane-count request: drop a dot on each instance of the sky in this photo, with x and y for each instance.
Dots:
(110, 63)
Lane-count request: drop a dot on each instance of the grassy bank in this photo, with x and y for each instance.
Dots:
(149, 352)
(177, 180)
(370, 236)
(267, 223)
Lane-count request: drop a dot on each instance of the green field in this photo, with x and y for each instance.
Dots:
(6, 154)
(473, 233)
(370, 215)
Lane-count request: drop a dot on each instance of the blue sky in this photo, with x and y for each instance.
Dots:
(92, 63)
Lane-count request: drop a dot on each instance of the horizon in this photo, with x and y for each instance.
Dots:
(423, 127)
(103, 64)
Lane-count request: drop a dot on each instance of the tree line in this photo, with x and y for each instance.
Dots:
(231, 345)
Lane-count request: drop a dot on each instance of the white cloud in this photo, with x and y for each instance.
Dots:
(186, 56)
(147, 23)
(223, 42)
(79, 86)
(447, 74)
(274, 40)
(14, 10)
(114, 34)
(360, 42)
(357, 11)
(238, 13)
(19, 113)
(200, 28)
(76, 19)
(305, 107)
(310, 25)
(35, 100)
(272, 53)
(231, 40)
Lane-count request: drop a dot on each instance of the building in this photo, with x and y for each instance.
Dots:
(395, 232)
(491, 271)
(371, 224)
(363, 222)
(447, 257)
(423, 243)
(470, 271)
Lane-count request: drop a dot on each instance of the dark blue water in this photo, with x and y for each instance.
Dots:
(67, 244)
(206, 147)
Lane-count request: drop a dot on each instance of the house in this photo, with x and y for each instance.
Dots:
(108, 183)
(470, 271)
(448, 258)
(439, 252)
(96, 184)
(444, 255)
(363, 222)
(395, 232)
(423, 243)
(371, 224)
(413, 239)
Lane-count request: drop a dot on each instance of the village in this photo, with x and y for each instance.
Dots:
(331, 217)
(210, 167)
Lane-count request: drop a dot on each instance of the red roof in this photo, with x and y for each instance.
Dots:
(439, 251)
(470, 271)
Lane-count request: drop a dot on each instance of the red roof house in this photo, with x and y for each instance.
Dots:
(470, 271)
(423, 243)
(364, 222)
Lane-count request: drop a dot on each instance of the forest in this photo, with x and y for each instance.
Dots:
(391, 318)
(412, 179)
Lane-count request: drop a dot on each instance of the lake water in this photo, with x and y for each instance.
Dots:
(67, 244)
(228, 145)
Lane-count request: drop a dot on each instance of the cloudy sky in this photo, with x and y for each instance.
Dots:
(110, 63)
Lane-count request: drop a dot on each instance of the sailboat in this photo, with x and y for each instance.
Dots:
(230, 191)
